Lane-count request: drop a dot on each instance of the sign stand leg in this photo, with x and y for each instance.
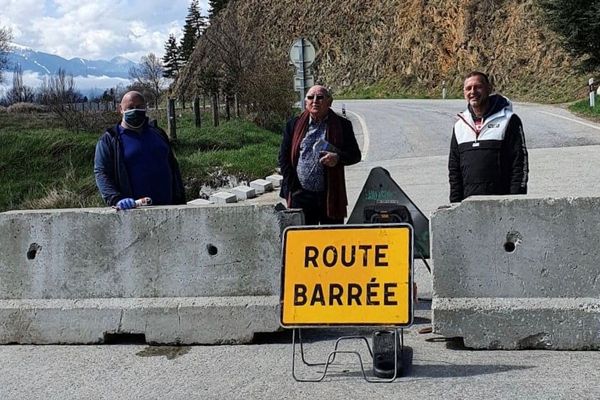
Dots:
(399, 349)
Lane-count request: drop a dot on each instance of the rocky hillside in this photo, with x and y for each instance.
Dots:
(411, 46)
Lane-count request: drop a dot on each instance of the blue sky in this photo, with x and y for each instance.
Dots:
(95, 29)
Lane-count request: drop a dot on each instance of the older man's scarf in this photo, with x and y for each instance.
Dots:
(335, 179)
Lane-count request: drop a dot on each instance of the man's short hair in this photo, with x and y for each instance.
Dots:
(481, 74)
(325, 90)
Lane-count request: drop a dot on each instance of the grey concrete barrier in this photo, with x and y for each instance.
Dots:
(517, 272)
(179, 274)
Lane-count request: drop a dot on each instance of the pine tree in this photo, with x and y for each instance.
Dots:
(216, 6)
(194, 27)
(578, 25)
(171, 59)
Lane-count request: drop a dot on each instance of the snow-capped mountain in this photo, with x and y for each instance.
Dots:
(46, 64)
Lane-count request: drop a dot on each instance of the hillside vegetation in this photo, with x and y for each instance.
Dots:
(390, 48)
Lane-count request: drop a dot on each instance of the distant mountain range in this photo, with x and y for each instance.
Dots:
(48, 64)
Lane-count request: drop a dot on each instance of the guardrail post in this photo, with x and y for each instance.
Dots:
(215, 109)
(592, 93)
(197, 116)
(171, 119)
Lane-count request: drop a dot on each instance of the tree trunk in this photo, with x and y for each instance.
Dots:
(215, 109)
(227, 109)
(237, 106)
(197, 117)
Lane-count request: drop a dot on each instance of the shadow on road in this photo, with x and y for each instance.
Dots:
(460, 370)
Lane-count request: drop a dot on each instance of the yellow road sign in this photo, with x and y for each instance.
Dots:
(347, 275)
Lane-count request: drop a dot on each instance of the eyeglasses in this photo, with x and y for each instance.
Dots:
(317, 97)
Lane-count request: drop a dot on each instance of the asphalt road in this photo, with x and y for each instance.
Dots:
(422, 128)
(411, 139)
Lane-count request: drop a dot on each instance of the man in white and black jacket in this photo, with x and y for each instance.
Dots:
(487, 153)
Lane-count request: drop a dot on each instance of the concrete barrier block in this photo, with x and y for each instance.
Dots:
(199, 202)
(244, 192)
(223, 198)
(70, 276)
(520, 323)
(261, 185)
(510, 270)
(275, 179)
(200, 320)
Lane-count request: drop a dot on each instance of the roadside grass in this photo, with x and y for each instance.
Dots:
(383, 90)
(42, 165)
(527, 88)
(583, 109)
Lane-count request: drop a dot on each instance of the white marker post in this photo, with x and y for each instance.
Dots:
(592, 93)
(444, 90)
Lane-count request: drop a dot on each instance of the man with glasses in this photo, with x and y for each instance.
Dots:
(315, 148)
(134, 160)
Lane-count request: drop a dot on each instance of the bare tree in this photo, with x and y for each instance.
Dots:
(149, 76)
(5, 38)
(58, 92)
(19, 93)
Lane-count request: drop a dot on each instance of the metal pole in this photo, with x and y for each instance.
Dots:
(302, 82)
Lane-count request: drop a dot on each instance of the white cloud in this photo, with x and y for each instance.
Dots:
(100, 29)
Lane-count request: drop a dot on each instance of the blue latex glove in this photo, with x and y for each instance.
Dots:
(126, 204)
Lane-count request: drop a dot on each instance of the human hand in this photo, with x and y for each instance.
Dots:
(125, 204)
(329, 159)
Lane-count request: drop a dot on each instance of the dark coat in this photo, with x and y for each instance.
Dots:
(349, 153)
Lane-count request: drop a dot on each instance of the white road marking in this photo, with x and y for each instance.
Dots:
(365, 130)
(572, 120)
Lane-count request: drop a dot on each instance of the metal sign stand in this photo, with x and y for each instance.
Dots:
(306, 250)
(399, 349)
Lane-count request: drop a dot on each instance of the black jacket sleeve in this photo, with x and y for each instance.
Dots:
(105, 171)
(178, 188)
(454, 172)
(285, 159)
(515, 156)
(349, 152)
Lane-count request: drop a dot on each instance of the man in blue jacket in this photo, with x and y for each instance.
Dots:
(134, 159)
(488, 155)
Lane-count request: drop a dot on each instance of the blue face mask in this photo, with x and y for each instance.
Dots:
(135, 118)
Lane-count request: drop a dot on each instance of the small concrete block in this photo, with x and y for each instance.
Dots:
(223, 197)
(244, 192)
(275, 179)
(199, 202)
(261, 185)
